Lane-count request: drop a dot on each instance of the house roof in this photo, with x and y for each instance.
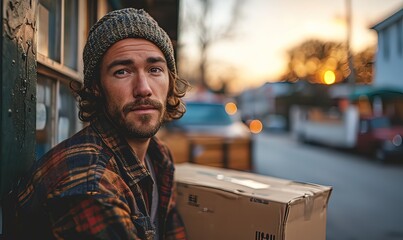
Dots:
(388, 20)
(371, 93)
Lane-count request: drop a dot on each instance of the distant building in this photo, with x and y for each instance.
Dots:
(258, 102)
(389, 57)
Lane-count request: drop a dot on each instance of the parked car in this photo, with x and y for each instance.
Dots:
(275, 123)
(208, 135)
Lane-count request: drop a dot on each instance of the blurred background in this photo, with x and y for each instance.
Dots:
(309, 91)
(319, 85)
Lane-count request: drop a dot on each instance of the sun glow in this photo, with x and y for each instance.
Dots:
(329, 77)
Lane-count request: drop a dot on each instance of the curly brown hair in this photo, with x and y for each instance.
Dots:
(91, 104)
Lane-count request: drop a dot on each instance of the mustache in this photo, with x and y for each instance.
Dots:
(140, 103)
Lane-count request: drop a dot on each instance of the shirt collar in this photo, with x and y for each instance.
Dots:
(127, 160)
(130, 165)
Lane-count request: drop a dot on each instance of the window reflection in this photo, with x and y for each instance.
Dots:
(44, 127)
(49, 22)
(56, 114)
(67, 113)
(70, 33)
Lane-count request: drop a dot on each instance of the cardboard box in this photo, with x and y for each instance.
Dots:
(218, 203)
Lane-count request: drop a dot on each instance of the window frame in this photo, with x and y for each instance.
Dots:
(57, 80)
(82, 27)
(61, 74)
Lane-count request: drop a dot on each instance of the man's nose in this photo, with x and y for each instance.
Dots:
(141, 86)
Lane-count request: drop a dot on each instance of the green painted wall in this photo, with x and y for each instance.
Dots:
(18, 90)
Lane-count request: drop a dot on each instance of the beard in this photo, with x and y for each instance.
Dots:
(144, 126)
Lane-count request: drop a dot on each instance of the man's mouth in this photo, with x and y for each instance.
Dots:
(142, 107)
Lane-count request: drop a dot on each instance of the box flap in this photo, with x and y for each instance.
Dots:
(248, 184)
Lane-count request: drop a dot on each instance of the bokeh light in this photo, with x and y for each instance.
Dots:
(255, 126)
(231, 108)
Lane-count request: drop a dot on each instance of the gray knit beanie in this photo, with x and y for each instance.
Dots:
(118, 25)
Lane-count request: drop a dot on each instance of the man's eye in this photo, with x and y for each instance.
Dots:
(155, 70)
(121, 72)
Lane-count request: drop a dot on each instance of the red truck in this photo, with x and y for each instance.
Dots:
(379, 137)
(373, 135)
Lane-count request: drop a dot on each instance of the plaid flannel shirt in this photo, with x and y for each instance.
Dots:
(91, 186)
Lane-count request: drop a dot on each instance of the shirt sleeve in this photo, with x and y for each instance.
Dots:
(90, 217)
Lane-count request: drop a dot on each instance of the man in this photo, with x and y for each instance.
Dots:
(113, 179)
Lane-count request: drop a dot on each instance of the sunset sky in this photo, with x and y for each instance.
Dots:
(268, 28)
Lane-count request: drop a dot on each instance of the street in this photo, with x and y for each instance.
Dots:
(367, 196)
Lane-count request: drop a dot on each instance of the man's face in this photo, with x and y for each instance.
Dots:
(135, 81)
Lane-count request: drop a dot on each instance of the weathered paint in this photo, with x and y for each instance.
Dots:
(18, 92)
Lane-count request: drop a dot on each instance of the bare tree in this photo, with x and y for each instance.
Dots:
(202, 21)
(309, 60)
(363, 65)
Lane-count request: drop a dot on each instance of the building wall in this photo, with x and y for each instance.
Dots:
(17, 94)
(18, 85)
(389, 57)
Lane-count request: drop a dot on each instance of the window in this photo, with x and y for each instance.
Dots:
(58, 33)
(399, 26)
(92, 15)
(60, 42)
(386, 46)
(49, 22)
(56, 113)
(67, 113)
(364, 126)
(205, 114)
(44, 115)
(70, 33)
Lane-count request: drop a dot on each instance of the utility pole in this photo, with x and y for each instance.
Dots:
(351, 76)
